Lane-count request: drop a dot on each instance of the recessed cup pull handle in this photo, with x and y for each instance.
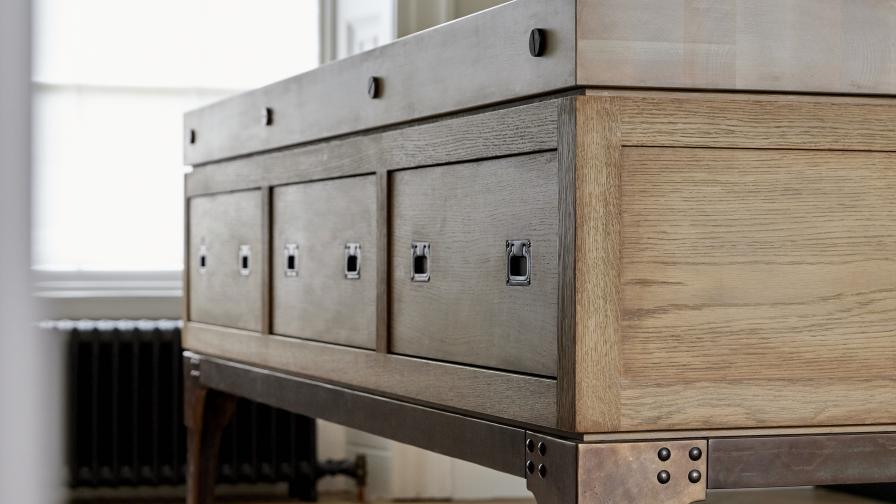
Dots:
(245, 258)
(203, 259)
(519, 262)
(291, 259)
(352, 261)
(420, 252)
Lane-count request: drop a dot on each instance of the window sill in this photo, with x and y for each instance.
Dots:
(108, 294)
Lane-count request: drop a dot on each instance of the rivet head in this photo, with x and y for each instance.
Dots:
(694, 476)
(530, 445)
(695, 453)
(530, 467)
(373, 87)
(542, 448)
(542, 470)
(267, 116)
(663, 477)
(191, 136)
(664, 454)
(537, 42)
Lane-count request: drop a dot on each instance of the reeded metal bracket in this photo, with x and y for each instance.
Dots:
(353, 261)
(563, 472)
(291, 258)
(245, 258)
(519, 262)
(420, 261)
(203, 258)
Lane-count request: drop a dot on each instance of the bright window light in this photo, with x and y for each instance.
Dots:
(112, 80)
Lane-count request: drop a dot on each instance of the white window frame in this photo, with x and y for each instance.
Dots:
(99, 294)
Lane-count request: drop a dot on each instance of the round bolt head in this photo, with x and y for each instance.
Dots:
(695, 453)
(664, 454)
(542, 448)
(537, 42)
(542, 470)
(373, 87)
(694, 476)
(663, 477)
(530, 445)
(530, 467)
(191, 136)
(267, 116)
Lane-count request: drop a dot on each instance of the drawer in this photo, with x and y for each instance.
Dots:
(324, 261)
(458, 234)
(226, 265)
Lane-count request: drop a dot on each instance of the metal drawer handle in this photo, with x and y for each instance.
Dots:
(420, 261)
(245, 256)
(203, 258)
(519, 263)
(291, 251)
(352, 261)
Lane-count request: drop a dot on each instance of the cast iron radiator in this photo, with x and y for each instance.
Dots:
(125, 419)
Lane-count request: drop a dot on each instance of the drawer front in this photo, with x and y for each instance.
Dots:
(324, 261)
(454, 301)
(226, 263)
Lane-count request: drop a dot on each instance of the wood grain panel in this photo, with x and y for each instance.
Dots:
(520, 400)
(467, 312)
(515, 130)
(759, 287)
(771, 123)
(472, 62)
(829, 46)
(220, 295)
(319, 303)
(598, 264)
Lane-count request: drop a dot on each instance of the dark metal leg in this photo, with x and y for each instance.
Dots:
(206, 413)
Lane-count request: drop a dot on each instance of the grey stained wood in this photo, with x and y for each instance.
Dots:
(319, 302)
(515, 399)
(220, 294)
(566, 266)
(472, 62)
(467, 313)
(802, 460)
(382, 261)
(515, 130)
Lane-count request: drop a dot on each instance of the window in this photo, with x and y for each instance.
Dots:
(112, 80)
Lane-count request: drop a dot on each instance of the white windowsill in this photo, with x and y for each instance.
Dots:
(109, 294)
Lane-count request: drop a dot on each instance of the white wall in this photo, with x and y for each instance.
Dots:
(28, 432)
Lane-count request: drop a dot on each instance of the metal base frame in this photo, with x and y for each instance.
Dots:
(557, 470)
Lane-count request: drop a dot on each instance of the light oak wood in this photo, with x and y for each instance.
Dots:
(819, 124)
(319, 302)
(598, 308)
(517, 399)
(221, 295)
(829, 46)
(466, 312)
(729, 433)
(757, 282)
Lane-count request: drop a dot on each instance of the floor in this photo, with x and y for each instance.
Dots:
(784, 496)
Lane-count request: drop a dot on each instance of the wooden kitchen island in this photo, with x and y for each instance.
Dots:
(628, 250)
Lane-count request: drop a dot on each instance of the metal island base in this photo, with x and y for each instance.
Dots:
(670, 467)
